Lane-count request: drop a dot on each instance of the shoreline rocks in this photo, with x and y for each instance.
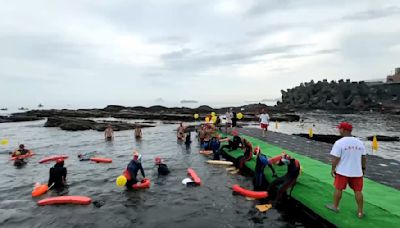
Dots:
(77, 124)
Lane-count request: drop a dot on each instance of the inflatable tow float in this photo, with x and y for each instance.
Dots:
(81, 200)
(53, 158)
(252, 194)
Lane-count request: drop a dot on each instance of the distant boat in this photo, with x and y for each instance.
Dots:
(189, 102)
(22, 108)
(40, 105)
(3, 109)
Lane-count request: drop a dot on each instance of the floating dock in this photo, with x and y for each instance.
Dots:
(314, 188)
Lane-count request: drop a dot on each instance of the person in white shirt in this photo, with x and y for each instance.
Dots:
(229, 116)
(264, 121)
(348, 166)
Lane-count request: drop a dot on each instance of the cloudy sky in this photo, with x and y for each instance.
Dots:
(93, 53)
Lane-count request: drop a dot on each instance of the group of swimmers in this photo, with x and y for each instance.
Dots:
(210, 143)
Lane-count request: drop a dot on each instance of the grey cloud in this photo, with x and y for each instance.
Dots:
(374, 13)
(314, 53)
(191, 60)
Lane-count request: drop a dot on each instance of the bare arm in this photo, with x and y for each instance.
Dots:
(335, 162)
(363, 163)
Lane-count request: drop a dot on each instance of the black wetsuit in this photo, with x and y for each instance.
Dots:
(133, 169)
(259, 178)
(20, 161)
(214, 146)
(285, 182)
(248, 154)
(163, 169)
(233, 144)
(234, 119)
(58, 173)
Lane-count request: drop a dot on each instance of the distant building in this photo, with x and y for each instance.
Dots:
(395, 77)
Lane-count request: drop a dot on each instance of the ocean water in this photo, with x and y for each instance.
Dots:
(168, 203)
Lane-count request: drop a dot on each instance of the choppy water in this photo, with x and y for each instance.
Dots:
(167, 203)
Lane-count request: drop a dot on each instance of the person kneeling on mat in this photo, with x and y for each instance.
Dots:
(247, 156)
(58, 176)
(259, 178)
(162, 168)
(233, 144)
(133, 168)
(279, 186)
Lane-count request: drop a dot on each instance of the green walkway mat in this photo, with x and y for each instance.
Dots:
(314, 189)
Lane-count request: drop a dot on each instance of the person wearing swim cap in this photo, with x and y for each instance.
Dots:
(162, 168)
(261, 162)
(58, 176)
(279, 186)
(133, 168)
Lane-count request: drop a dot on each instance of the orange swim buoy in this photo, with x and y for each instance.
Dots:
(194, 176)
(101, 160)
(82, 200)
(40, 190)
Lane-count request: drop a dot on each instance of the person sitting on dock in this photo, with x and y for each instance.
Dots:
(261, 162)
(133, 168)
(247, 156)
(162, 168)
(138, 131)
(109, 133)
(348, 166)
(281, 184)
(58, 176)
(233, 144)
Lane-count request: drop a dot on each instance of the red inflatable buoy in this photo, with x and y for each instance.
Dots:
(145, 183)
(252, 194)
(82, 200)
(194, 176)
(101, 160)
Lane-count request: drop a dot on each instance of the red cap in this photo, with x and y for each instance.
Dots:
(257, 150)
(157, 160)
(235, 133)
(345, 126)
(60, 160)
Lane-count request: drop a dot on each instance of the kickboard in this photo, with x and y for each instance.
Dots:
(81, 200)
(219, 162)
(194, 176)
(101, 160)
(53, 158)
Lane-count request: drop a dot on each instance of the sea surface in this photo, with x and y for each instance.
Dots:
(168, 203)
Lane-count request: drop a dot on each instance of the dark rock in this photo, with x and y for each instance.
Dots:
(385, 138)
(18, 118)
(321, 138)
(76, 124)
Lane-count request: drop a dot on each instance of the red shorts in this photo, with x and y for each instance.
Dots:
(355, 183)
(264, 126)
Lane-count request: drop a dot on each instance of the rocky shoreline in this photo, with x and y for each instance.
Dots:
(74, 120)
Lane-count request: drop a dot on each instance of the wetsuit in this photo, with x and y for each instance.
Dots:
(86, 156)
(289, 179)
(20, 161)
(248, 154)
(259, 178)
(234, 119)
(58, 174)
(163, 169)
(233, 144)
(214, 146)
(133, 169)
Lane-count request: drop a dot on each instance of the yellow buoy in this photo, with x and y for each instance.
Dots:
(374, 143)
(213, 114)
(310, 132)
(121, 181)
(196, 116)
(239, 115)
(4, 142)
